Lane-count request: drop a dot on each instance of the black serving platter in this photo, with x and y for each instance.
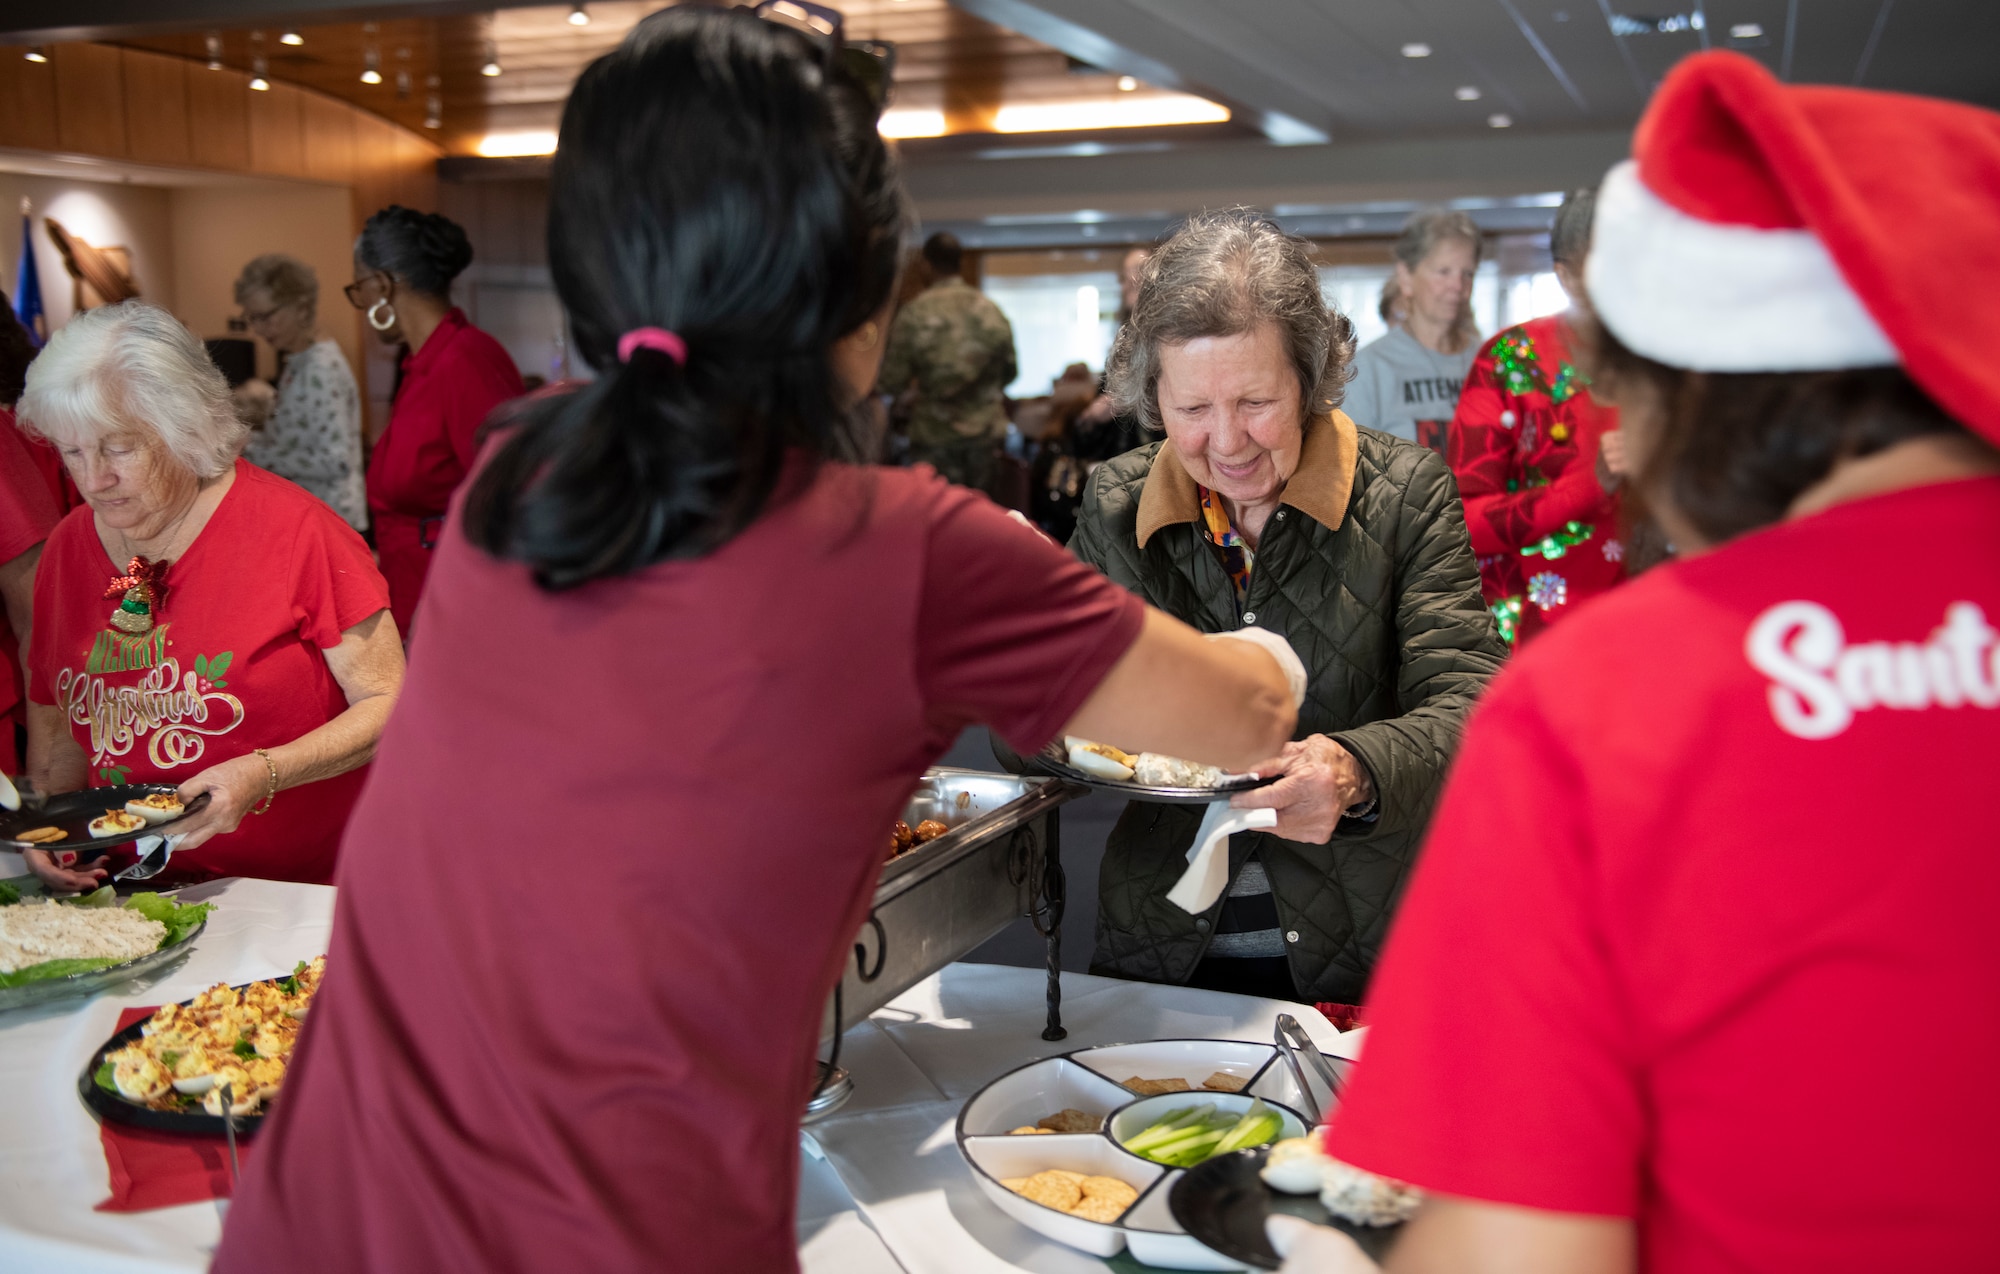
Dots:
(110, 1104)
(1223, 1203)
(1045, 764)
(72, 811)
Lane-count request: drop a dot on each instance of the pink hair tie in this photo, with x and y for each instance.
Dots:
(658, 338)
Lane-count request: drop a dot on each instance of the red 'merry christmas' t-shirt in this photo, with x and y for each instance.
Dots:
(235, 661)
(1703, 934)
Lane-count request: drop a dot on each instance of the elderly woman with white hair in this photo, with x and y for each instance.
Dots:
(312, 433)
(1267, 507)
(199, 622)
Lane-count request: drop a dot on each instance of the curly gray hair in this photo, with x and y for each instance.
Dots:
(1223, 274)
(133, 366)
(286, 280)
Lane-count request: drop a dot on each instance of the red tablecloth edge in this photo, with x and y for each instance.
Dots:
(1345, 1017)
(162, 1170)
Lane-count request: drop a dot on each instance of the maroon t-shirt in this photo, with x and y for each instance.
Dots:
(517, 1064)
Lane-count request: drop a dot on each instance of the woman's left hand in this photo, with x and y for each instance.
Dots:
(235, 787)
(1322, 780)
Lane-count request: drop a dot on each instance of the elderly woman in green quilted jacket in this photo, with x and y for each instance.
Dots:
(1265, 505)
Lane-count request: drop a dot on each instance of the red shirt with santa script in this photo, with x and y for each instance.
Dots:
(1704, 931)
(235, 661)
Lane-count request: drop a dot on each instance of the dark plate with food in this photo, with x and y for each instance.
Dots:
(90, 822)
(166, 1072)
(1223, 1203)
(1143, 776)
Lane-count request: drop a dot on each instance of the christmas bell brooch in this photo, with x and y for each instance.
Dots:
(140, 590)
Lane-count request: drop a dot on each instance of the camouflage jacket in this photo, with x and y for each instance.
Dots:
(952, 351)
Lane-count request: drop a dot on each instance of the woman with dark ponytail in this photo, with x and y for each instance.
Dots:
(684, 658)
(453, 375)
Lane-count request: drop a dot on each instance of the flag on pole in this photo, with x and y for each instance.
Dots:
(28, 284)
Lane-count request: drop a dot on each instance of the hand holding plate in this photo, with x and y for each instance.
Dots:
(1322, 780)
(234, 787)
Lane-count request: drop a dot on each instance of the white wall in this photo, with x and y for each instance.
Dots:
(102, 214)
(218, 229)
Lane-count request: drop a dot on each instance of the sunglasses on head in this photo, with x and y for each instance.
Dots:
(872, 63)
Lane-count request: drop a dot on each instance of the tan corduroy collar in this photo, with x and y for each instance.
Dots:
(1319, 487)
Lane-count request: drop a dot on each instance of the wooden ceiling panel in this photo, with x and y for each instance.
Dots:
(946, 59)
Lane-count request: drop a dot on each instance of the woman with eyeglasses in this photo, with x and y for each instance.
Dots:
(574, 992)
(453, 375)
(312, 432)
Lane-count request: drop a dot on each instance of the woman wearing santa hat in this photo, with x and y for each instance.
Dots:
(1697, 971)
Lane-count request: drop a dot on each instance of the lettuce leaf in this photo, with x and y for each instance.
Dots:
(54, 969)
(9, 895)
(180, 918)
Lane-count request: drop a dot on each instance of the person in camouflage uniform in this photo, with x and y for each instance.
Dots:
(951, 351)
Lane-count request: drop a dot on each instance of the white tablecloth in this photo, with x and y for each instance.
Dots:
(881, 1176)
(917, 1060)
(52, 1167)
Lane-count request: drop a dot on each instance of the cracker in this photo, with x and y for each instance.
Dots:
(1110, 1188)
(1028, 1130)
(1051, 1189)
(1154, 1087)
(1014, 1183)
(42, 835)
(1069, 1119)
(1224, 1082)
(1100, 1209)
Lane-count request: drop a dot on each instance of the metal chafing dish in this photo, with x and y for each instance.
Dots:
(1001, 861)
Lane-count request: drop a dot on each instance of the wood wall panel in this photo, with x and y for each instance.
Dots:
(156, 108)
(329, 138)
(90, 99)
(27, 103)
(277, 140)
(219, 119)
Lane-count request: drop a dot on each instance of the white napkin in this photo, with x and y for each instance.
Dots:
(1208, 858)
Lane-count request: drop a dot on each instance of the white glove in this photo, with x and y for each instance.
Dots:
(1279, 649)
(1315, 1249)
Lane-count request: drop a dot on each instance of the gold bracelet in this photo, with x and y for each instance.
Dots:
(273, 790)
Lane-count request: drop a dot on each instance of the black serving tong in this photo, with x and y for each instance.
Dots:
(1292, 1041)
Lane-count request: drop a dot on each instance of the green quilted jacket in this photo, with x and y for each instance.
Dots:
(1367, 570)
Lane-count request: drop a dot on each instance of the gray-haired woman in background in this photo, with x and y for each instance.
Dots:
(1406, 383)
(1266, 507)
(313, 433)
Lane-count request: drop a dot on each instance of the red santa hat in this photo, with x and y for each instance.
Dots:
(1766, 227)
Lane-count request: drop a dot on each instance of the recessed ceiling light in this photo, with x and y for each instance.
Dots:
(35, 54)
(213, 42)
(911, 122)
(259, 84)
(1746, 31)
(508, 145)
(1466, 92)
(372, 73)
(578, 17)
(258, 70)
(1416, 50)
(291, 37)
(1500, 121)
(1126, 84)
(492, 68)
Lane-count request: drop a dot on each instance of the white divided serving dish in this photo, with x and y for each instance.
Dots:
(1089, 1080)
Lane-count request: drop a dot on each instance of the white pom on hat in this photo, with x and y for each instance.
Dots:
(1769, 227)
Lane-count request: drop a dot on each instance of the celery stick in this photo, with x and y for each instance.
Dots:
(1167, 1125)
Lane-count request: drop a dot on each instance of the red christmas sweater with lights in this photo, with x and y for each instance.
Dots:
(1523, 445)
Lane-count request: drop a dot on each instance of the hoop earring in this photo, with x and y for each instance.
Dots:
(873, 334)
(376, 310)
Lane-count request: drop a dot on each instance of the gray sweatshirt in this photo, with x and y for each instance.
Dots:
(1404, 388)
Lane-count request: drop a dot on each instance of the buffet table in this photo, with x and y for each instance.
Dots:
(883, 1186)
